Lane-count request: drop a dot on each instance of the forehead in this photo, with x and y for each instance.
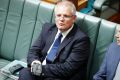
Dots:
(63, 9)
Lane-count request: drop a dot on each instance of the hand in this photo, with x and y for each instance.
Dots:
(35, 61)
(36, 68)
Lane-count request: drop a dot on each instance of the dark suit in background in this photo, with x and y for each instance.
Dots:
(108, 68)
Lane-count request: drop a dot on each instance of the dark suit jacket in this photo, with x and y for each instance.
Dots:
(73, 52)
(108, 68)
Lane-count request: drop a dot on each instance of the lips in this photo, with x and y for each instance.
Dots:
(118, 41)
(61, 24)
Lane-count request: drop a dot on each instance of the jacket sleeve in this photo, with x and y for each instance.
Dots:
(102, 73)
(35, 51)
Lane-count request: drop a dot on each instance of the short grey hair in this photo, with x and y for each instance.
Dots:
(67, 4)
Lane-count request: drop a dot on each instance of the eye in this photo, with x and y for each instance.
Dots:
(67, 16)
(58, 15)
(119, 31)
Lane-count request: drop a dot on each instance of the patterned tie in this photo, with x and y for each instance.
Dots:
(53, 52)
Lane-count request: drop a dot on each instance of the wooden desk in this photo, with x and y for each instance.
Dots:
(79, 4)
(115, 18)
(52, 1)
(82, 4)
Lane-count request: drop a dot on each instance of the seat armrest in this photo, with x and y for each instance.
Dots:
(98, 4)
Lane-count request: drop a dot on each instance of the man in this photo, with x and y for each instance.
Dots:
(71, 59)
(111, 64)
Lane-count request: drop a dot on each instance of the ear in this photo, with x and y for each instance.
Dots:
(74, 17)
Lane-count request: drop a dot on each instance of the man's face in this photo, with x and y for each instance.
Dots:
(64, 18)
(118, 35)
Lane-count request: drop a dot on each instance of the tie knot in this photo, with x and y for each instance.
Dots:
(60, 35)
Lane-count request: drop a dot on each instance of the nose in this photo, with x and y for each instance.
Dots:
(61, 17)
(117, 36)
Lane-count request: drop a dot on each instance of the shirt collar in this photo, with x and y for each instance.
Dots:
(65, 33)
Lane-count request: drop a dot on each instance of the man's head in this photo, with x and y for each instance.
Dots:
(118, 35)
(65, 15)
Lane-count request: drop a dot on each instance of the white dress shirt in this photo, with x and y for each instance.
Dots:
(117, 75)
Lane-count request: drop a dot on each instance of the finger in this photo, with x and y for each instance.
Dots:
(31, 69)
(35, 61)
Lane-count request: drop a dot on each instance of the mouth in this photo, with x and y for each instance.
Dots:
(118, 41)
(61, 24)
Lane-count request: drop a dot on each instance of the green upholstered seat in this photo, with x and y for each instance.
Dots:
(11, 29)
(27, 24)
(21, 22)
(105, 37)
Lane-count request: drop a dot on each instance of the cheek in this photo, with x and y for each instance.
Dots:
(119, 38)
(69, 23)
(56, 21)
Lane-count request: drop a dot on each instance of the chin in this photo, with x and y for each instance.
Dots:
(60, 28)
(118, 43)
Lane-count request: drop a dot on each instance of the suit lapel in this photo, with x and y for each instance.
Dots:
(51, 36)
(64, 43)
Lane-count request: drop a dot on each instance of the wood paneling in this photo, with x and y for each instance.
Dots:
(115, 18)
(79, 4)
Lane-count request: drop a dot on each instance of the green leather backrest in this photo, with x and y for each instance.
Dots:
(34, 16)
(80, 18)
(11, 29)
(26, 30)
(105, 37)
(90, 25)
(93, 25)
(21, 23)
(4, 4)
(44, 15)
